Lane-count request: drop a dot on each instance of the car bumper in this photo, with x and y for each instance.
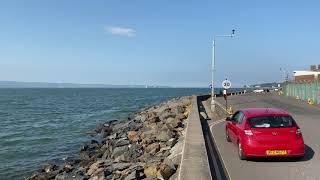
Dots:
(259, 150)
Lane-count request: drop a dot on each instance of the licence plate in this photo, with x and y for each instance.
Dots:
(276, 152)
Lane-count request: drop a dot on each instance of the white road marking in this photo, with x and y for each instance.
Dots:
(217, 122)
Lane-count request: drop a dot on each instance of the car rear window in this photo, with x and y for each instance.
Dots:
(271, 122)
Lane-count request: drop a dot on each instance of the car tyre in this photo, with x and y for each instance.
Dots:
(240, 152)
(227, 136)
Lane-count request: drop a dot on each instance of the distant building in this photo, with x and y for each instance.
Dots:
(311, 75)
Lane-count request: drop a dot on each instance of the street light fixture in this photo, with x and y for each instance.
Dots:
(213, 67)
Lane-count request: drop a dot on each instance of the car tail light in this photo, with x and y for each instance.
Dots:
(248, 132)
(298, 132)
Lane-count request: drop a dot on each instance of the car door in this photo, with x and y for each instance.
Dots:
(232, 127)
(238, 127)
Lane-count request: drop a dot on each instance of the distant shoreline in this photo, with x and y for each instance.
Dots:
(47, 85)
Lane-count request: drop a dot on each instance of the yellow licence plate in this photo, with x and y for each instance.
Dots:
(276, 152)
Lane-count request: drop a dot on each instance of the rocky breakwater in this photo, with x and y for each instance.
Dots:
(147, 145)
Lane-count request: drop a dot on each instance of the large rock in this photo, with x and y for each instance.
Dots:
(164, 136)
(151, 171)
(133, 136)
(135, 151)
(98, 165)
(119, 150)
(152, 148)
(166, 171)
(50, 167)
(123, 126)
(120, 166)
(112, 136)
(176, 152)
(149, 134)
(173, 123)
(136, 174)
(165, 115)
(106, 130)
(122, 142)
(171, 142)
(142, 117)
(133, 126)
(177, 109)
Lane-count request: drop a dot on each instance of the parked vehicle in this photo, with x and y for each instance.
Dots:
(264, 132)
(258, 91)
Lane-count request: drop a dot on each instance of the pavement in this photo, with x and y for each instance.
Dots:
(194, 162)
(308, 118)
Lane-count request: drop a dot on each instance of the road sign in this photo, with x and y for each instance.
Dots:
(210, 86)
(226, 84)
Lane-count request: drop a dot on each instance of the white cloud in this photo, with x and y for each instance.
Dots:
(121, 31)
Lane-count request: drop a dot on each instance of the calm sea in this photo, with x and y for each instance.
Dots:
(40, 125)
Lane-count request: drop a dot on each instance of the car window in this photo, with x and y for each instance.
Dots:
(235, 116)
(271, 122)
(238, 117)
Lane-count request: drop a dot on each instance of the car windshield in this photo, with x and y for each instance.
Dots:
(271, 122)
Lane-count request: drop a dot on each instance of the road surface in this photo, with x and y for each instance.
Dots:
(308, 117)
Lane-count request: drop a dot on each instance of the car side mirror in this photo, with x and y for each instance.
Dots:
(228, 119)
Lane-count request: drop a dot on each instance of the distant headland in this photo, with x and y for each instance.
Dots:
(17, 84)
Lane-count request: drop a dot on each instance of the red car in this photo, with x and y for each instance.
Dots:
(264, 132)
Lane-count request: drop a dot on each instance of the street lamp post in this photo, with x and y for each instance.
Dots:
(213, 67)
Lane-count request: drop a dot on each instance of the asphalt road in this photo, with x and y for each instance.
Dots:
(308, 117)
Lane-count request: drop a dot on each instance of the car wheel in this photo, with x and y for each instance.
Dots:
(240, 152)
(227, 136)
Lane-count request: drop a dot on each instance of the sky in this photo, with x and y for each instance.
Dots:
(156, 42)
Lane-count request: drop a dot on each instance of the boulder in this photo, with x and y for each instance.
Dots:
(133, 126)
(162, 108)
(112, 136)
(165, 115)
(152, 148)
(121, 127)
(107, 153)
(119, 150)
(68, 176)
(151, 171)
(154, 119)
(166, 171)
(135, 151)
(181, 116)
(176, 153)
(171, 142)
(106, 131)
(142, 117)
(98, 166)
(120, 166)
(68, 168)
(177, 109)
(136, 174)
(133, 136)
(150, 159)
(173, 123)
(149, 134)
(164, 136)
(122, 142)
(50, 167)
(92, 168)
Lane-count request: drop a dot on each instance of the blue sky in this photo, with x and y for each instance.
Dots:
(156, 42)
